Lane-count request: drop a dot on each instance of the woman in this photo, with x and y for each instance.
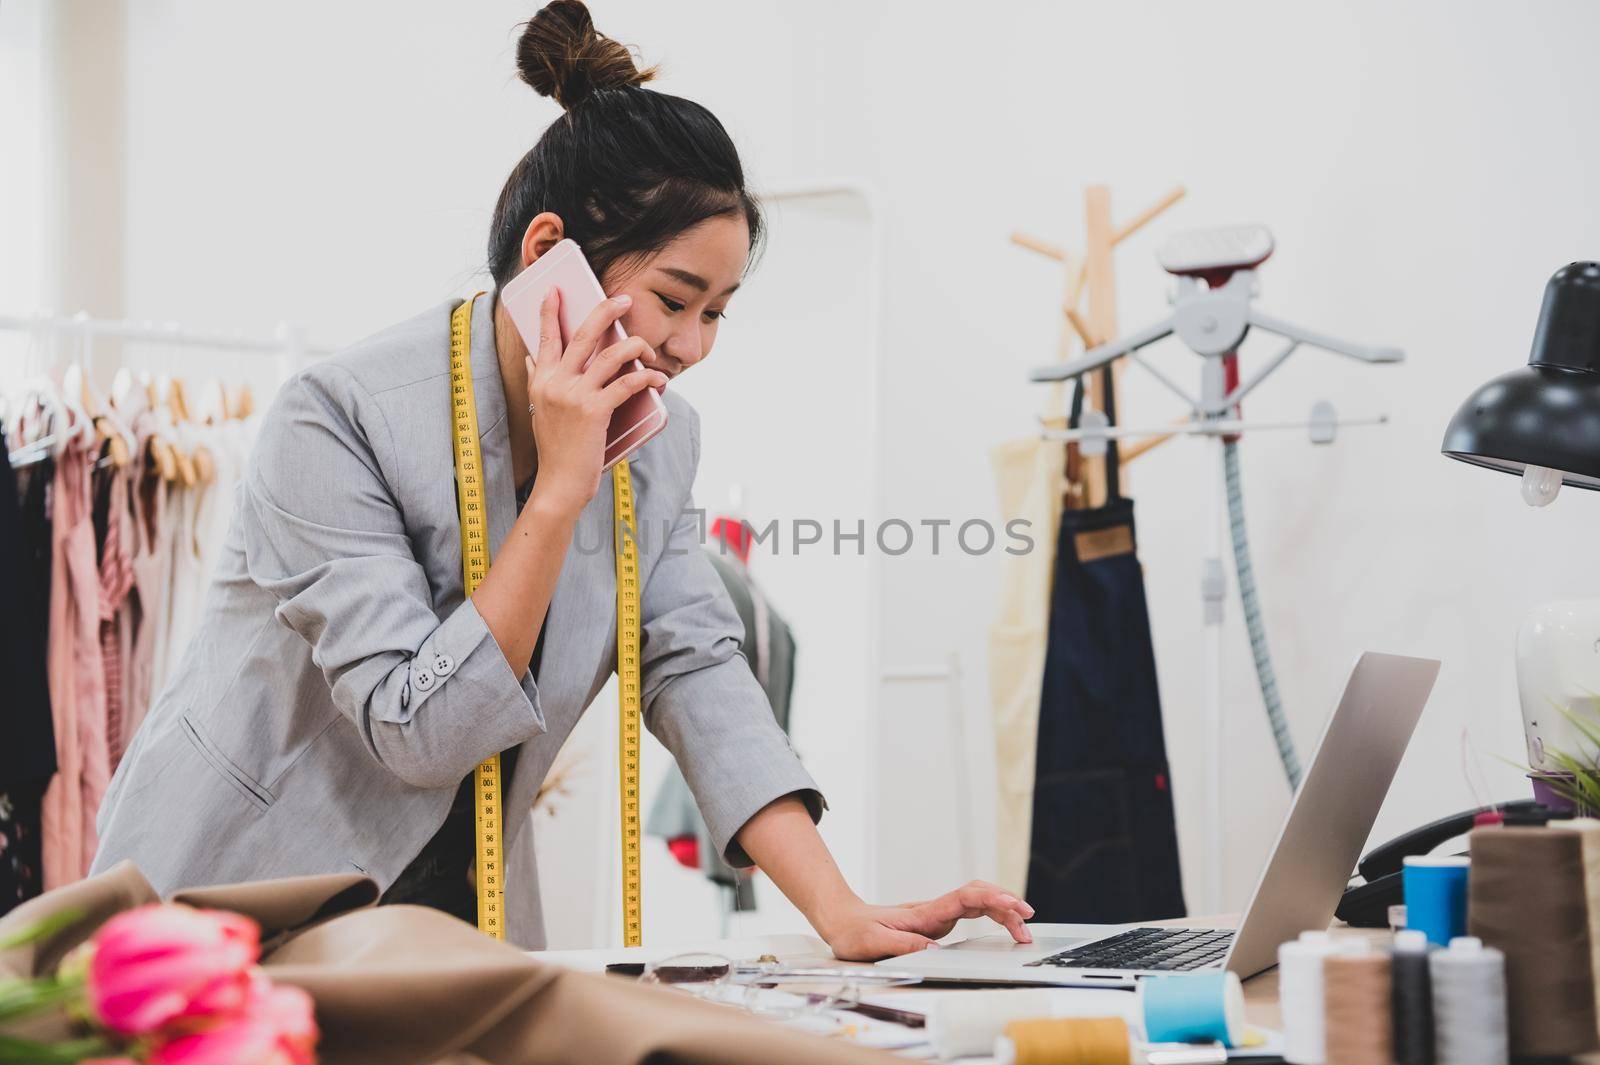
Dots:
(342, 690)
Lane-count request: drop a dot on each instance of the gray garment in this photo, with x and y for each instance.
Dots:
(770, 648)
(340, 686)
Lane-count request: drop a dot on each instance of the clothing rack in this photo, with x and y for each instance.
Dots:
(288, 344)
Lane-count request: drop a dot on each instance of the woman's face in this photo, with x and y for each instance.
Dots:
(681, 292)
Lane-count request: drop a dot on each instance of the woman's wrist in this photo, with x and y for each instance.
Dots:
(833, 911)
(548, 503)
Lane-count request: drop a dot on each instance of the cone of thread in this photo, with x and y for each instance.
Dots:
(1469, 1004)
(1356, 991)
(1070, 1041)
(1529, 897)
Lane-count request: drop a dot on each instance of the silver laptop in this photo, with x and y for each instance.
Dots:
(1329, 821)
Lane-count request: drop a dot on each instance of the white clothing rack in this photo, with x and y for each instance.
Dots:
(289, 338)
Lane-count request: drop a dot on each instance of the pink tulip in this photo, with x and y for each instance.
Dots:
(277, 1026)
(157, 965)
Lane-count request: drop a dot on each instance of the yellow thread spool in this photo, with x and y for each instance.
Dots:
(1066, 1041)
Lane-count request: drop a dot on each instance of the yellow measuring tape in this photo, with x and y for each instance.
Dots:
(474, 566)
(628, 700)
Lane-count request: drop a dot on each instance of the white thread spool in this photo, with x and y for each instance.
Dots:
(1469, 1004)
(967, 1023)
(1300, 996)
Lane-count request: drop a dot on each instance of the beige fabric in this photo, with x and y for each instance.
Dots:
(404, 985)
(1028, 475)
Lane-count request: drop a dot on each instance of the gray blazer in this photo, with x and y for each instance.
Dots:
(341, 687)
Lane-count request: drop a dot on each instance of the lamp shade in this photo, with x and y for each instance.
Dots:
(1547, 413)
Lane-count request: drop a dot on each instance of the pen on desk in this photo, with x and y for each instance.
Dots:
(880, 1013)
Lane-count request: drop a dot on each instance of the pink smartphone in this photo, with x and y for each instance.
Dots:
(643, 414)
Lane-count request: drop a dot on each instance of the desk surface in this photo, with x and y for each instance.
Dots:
(1260, 992)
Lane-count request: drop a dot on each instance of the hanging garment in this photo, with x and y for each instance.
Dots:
(1103, 844)
(769, 647)
(200, 525)
(172, 503)
(28, 755)
(187, 571)
(114, 530)
(77, 679)
(1028, 475)
(152, 558)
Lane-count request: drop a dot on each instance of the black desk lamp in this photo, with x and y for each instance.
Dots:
(1543, 421)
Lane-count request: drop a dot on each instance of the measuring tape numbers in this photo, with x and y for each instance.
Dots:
(628, 696)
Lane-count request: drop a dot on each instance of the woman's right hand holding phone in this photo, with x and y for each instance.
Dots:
(573, 397)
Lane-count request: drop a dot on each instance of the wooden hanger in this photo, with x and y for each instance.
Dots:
(190, 465)
(161, 449)
(241, 404)
(177, 402)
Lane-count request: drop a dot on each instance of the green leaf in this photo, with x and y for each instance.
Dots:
(42, 929)
(14, 1051)
(23, 997)
(1586, 726)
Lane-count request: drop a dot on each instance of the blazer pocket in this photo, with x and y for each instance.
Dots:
(225, 767)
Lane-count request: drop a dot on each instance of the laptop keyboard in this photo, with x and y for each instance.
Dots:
(1161, 949)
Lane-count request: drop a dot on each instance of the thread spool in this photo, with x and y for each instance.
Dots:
(967, 1024)
(1436, 896)
(1356, 987)
(1193, 1008)
(1469, 1004)
(1300, 997)
(1065, 1041)
(1412, 999)
(1530, 898)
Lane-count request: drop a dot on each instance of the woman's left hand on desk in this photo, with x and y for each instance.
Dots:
(866, 933)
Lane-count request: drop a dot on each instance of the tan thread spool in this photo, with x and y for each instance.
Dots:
(1534, 894)
(1356, 988)
(1066, 1041)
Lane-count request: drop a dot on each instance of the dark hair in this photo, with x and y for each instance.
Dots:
(626, 168)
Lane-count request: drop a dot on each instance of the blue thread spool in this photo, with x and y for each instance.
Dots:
(1436, 897)
(1193, 1008)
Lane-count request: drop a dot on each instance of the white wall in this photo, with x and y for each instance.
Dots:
(1424, 166)
(25, 203)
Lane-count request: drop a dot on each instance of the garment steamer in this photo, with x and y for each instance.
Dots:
(1212, 314)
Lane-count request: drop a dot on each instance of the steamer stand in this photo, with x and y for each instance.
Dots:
(1212, 313)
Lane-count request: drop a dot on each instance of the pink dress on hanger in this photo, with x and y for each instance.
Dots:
(77, 679)
(117, 607)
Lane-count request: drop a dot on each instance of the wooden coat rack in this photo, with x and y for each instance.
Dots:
(1095, 272)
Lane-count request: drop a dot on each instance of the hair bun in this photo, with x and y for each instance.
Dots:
(563, 56)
